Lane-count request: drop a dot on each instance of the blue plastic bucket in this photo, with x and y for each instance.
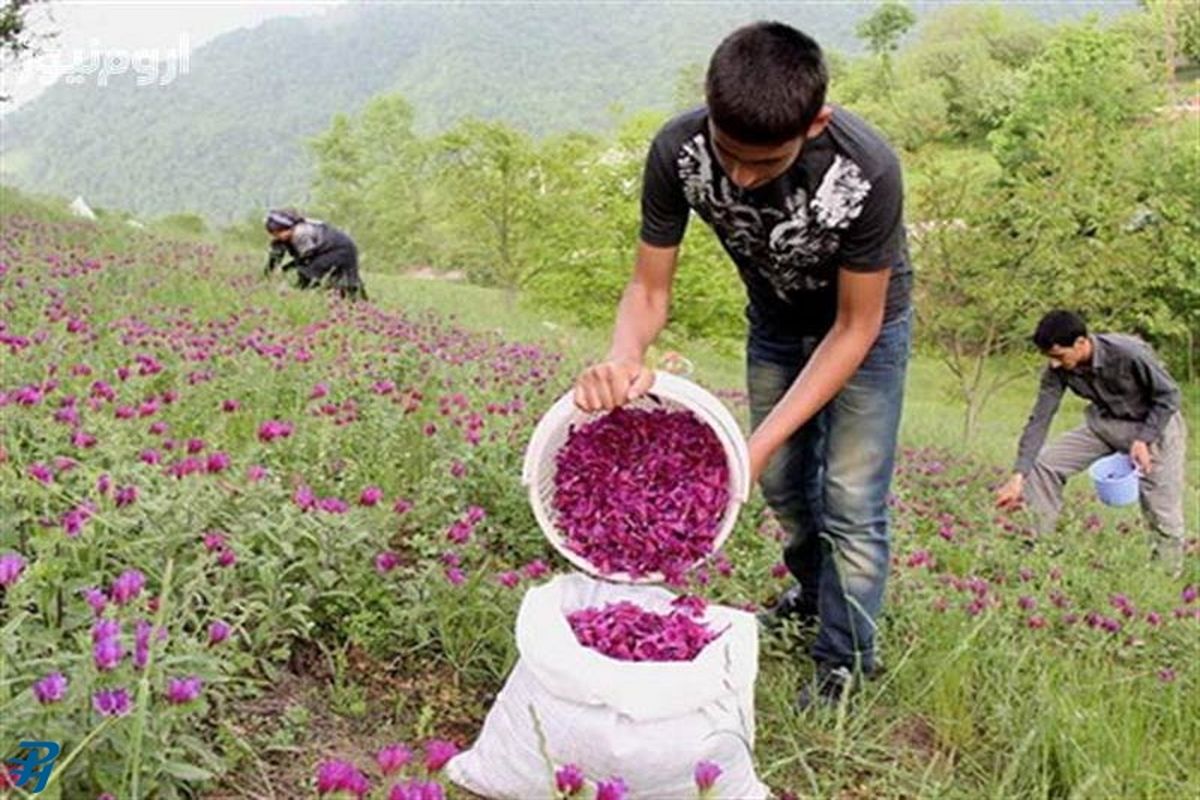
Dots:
(1116, 480)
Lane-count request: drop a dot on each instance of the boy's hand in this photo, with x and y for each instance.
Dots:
(1008, 496)
(609, 384)
(1139, 454)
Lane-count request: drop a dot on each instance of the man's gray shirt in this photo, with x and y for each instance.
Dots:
(1124, 381)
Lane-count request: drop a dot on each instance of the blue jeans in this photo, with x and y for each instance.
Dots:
(828, 486)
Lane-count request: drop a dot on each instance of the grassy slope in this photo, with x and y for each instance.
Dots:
(966, 709)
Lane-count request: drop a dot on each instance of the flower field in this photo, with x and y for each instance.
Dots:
(257, 543)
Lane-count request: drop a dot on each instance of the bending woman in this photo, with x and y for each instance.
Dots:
(317, 249)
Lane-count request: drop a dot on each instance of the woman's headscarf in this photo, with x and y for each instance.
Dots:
(280, 221)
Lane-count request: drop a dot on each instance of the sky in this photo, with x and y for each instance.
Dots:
(162, 27)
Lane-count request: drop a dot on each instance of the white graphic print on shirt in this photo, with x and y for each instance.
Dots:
(789, 243)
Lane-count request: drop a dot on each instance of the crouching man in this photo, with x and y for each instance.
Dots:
(1135, 408)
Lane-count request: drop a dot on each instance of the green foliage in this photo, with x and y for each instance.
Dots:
(489, 181)
(372, 174)
(1053, 202)
(16, 38)
(1085, 72)
(883, 30)
(297, 575)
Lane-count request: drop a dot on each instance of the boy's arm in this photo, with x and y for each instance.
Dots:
(861, 300)
(642, 312)
(641, 316)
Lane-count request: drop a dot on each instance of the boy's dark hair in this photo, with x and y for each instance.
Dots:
(1060, 328)
(766, 83)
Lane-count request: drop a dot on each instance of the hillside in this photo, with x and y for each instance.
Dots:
(228, 136)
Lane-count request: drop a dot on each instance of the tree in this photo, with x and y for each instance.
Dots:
(488, 176)
(1084, 70)
(16, 39)
(977, 55)
(371, 179)
(882, 31)
(980, 282)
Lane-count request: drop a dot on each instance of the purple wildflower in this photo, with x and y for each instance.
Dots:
(96, 598)
(341, 776)
(107, 654)
(393, 758)
(111, 702)
(128, 586)
(535, 569)
(105, 629)
(417, 790)
(569, 780)
(706, 774)
(51, 688)
(438, 752)
(183, 690)
(386, 561)
(612, 789)
(218, 631)
(11, 567)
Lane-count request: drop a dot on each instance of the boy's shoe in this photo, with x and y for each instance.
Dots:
(789, 606)
(827, 689)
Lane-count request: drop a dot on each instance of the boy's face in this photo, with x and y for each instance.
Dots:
(753, 165)
(282, 236)
(1068, 358)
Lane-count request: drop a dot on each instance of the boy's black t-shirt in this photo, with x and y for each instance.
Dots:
(839, 205)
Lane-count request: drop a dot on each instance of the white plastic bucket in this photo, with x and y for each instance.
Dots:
(669, 392)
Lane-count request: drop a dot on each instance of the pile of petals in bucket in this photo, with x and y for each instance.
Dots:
(642, 491)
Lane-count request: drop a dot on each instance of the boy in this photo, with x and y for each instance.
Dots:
(1135, 408)
(807, 201)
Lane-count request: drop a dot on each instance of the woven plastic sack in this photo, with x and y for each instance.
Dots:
(646, 722)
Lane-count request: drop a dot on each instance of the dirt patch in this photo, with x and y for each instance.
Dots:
(349, 710)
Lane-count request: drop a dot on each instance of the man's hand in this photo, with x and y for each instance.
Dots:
(1139, 453)
(1008, 496)
(612, 383)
